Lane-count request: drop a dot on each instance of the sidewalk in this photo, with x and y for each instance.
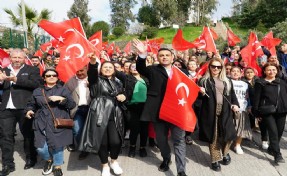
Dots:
(255, 162)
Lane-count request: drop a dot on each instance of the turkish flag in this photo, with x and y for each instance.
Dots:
(118, 50)
(110, 49)
(203, 69)
(128, 48)
(4, 58)
(176, 108)
(214, 34)
(205, 41)
(39, 53)
(97, 39)
(105, 45)
(74, 55)
(59, 30)
(232, 39)
(179, 43)
(269, 42)
(154, 45)
(252, 51)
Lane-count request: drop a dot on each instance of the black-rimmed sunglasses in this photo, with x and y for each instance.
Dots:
(215, 66)
(48, 76)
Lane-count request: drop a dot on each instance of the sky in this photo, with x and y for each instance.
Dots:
(99, 10)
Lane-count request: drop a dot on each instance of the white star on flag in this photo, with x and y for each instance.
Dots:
(66, 58)
(61, 39)
(181, 102)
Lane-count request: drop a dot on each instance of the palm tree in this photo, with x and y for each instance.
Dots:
(32, 18)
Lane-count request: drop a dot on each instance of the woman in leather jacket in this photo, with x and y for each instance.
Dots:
(103, 130)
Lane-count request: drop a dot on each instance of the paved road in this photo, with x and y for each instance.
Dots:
(255, 162)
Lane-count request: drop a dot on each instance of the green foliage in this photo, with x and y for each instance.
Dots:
(267, 12)
(261, 27)
(118, 31)
(149, 32)
(121, 12)
(101, 25)
(13, 39)
(202, 9)
(111, 37)
(279, 30)
(80, 9)
(148, 16)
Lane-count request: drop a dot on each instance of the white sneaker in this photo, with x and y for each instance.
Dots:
(238, 150)
(265, 145)
(116, 168)
(106, 171)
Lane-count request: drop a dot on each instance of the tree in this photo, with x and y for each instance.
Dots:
(32, 18)
(148, 16)
(80, 9)
(203, 8)
(101, 25)
(121, 12)
(279, 30)
(267, 12)
(167, 10)
(118, 31)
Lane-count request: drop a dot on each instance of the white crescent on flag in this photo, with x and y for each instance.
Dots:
(185, 88)
(81, 49)
(95, 42)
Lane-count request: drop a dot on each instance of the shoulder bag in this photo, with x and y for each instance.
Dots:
(59, 122)
(269, 109)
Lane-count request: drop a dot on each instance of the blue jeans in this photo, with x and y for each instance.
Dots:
(56, 154)
(79, 121)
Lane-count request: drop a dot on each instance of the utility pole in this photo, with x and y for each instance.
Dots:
(24, 24)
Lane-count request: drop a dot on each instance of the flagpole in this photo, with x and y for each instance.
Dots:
(24, 23)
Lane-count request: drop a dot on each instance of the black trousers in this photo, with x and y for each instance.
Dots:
(111, 142)
(137, 127)
(275, 124)
(263, 130)
(8, 121)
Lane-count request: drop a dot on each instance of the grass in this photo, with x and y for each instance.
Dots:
(189, 33)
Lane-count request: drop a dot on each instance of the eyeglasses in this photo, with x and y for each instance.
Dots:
(215, 66)
(48, 76)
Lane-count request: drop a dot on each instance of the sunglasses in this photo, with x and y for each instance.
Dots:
(48, 76)
(215, 66)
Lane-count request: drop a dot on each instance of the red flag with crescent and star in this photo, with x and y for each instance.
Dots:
(97, 40)
(176, 108)
(59, 30)
(270, 42)
(73, 56)
(232, 39)
(205, 41)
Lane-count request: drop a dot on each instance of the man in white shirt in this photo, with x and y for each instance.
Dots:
(78, 85)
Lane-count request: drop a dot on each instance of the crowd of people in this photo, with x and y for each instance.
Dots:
(120, 98)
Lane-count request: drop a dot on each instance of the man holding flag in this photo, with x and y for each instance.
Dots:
(155, 109)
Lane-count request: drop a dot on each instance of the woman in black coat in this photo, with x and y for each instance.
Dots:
(103, 130)
(50, 141)
(271, 90)
(216, 119)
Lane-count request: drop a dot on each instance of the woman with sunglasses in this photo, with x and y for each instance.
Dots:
(103, 129)
(216, 119)
(50, 141)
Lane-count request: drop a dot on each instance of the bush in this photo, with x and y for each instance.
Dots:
(118, 31)
(149, 32)
(279, 31)
(111, 37)
(100, 25)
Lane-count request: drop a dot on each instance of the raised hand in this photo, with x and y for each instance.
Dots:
(93, 58)
(140, 46)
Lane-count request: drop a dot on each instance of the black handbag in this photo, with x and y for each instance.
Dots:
(269, 109)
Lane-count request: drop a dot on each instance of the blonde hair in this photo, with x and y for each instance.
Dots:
(222, 75)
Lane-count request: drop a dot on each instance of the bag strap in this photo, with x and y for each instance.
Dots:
(43, 92)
